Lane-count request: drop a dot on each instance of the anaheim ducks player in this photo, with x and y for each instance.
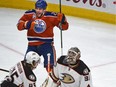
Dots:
(21, 75)
(70, 71)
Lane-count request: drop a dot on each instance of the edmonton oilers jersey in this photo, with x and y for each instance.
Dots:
(41, 30)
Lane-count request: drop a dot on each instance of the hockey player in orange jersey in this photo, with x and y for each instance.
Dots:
(39, 24)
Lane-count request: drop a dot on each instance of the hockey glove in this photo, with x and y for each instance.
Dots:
(28, 24)
(61, 18)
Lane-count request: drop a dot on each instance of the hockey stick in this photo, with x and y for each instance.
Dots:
(60, 26)
(4, 70)
(48, 62)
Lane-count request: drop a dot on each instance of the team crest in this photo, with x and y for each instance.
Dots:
(40, 26)
(85, 71)
(66, 78)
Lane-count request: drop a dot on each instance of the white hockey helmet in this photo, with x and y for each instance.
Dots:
(73, 55)
(32, 58)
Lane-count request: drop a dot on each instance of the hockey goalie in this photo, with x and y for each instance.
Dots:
(69, 71)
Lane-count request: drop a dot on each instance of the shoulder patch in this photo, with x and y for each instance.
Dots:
(28, 72)
(82, 68)
(85, 71)
(32, 77)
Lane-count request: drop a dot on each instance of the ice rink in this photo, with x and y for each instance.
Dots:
(96, 40)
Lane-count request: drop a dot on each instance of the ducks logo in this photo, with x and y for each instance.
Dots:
(66, 78)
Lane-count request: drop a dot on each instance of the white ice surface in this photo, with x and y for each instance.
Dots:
(96, 40)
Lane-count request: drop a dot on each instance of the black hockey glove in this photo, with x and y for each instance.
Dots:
(61, 18)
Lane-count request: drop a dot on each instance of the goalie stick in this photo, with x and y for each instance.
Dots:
(4, 70)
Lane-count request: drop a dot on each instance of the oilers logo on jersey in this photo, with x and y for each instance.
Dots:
(40, 26)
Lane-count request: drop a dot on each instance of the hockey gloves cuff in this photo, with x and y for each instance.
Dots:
(61, 18)
(28, 24)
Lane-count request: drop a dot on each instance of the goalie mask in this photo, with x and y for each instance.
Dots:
(33, 59)
(73, 55)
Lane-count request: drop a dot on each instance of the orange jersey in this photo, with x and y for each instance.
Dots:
(46, 23)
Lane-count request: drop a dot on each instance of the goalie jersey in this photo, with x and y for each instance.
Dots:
(22, 75)
(77, 76)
